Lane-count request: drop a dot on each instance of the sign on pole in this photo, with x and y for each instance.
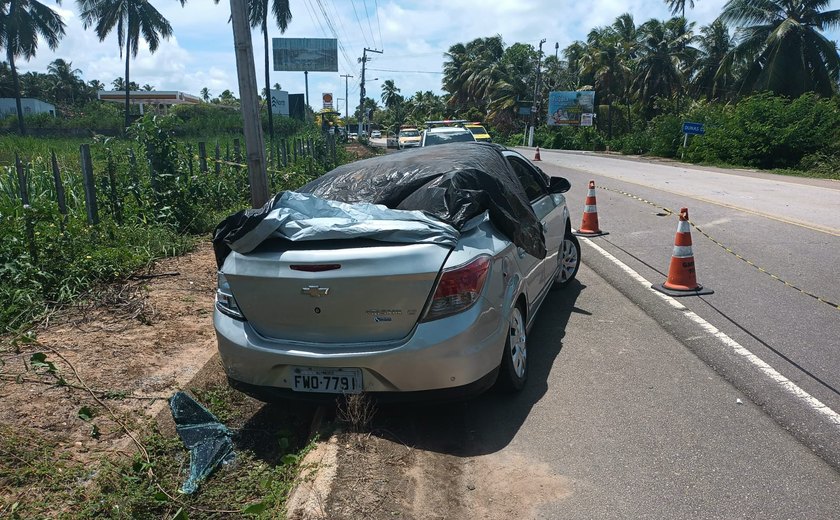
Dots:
(305, 54)
(327, 97)
(566, 108)
(694, 128)
(280, 102)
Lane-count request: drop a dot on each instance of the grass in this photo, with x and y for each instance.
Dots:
(39, 480)
(150, 207)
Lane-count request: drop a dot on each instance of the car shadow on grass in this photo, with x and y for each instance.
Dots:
(489, 422)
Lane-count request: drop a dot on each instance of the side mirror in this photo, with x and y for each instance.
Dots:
(558, 185)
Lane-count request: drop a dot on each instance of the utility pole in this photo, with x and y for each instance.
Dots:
(346, 97)
(535, 106)
(254, 146)
(362, 112)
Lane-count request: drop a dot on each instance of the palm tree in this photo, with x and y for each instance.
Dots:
(67, 82)
(663, 54)
(258, 14)
(678, 6)
(603, 61)
(130, 18)
(389, 93)
(783, 44)
(205, 94)
(148, 88)
(715, 71)
(22, 22)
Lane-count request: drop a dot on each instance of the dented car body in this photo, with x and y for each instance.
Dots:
(412, 276)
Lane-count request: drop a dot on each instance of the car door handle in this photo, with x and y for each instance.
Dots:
(545, 227)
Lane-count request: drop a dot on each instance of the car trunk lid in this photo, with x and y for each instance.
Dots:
(338, 291)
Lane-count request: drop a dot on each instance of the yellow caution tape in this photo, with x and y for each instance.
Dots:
(727, 249)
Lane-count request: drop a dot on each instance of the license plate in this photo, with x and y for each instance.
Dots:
(328, 380)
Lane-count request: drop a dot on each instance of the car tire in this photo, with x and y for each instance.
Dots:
(513, 371)
(568, 261)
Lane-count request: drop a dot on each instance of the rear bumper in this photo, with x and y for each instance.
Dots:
(449, 353)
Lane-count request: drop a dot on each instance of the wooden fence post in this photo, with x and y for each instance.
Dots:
(295, 148)
(190, 158)
(89, 185)
(218, 167)
(237, 155)
(116, 203)
(202, 156)
(59, 190)
(27, 210)
(134, 178)
(285, 152)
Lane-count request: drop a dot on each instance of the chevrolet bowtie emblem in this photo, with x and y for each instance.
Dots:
(315, 291)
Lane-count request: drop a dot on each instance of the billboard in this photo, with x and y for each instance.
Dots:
(567, 108)
(305, 54)
(280, 102)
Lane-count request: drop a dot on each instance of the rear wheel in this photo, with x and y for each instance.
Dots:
(513, 371)
(568, 261)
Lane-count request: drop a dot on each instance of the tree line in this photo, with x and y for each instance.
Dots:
(23, 23)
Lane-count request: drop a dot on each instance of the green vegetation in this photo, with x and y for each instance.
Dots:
(40, 480)
(150, 206)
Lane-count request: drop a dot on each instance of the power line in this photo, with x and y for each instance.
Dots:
(334, 32)
(359, 22)
(378, 25)
(408, 71)
(367, 15)
(315, 18)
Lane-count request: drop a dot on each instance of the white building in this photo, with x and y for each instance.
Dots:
(30, 106)
(160, 100)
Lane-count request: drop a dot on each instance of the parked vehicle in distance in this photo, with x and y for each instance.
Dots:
(376, 134)
(478, 131)
(353, 135)
(409, 137)
(446, 135)
(393, 301)
(392, 141)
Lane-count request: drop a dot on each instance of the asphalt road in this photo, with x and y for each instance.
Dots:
(796, 239)
(639, 407)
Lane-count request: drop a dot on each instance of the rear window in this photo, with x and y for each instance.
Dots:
(477, 129)
(410, 133)
(433, 139)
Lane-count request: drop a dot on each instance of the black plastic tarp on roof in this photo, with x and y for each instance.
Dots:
(454, 183)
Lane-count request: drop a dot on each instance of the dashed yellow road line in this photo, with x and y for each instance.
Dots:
(727, 248)
(786, 220)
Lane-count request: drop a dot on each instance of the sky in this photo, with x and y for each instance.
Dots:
(413, 36)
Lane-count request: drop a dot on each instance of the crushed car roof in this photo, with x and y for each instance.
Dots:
(452, 183)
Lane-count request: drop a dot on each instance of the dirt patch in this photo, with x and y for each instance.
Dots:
(359, 151)
(379, 479)
(133, 344)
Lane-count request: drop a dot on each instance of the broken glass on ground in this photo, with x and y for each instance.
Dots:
(208, 440)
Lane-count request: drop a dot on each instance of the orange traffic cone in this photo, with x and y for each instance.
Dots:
(589, 226)
(537, 155)
(682, 277)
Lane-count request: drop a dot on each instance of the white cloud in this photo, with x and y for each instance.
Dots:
(414, 36)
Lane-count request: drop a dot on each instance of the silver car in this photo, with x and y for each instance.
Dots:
(408, 319)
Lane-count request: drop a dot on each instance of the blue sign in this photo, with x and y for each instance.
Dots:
(694, 128)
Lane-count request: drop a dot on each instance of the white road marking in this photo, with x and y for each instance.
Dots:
(786, 384)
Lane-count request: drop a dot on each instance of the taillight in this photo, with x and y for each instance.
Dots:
(458, 288)
(225, 301)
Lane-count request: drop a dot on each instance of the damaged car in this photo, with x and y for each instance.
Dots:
(412, 276)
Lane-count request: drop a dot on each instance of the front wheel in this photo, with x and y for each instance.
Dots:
(568, 261)
(513, 371)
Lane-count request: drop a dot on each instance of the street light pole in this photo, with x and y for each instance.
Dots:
(534, 106)
(362, 113)
(346, 97)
